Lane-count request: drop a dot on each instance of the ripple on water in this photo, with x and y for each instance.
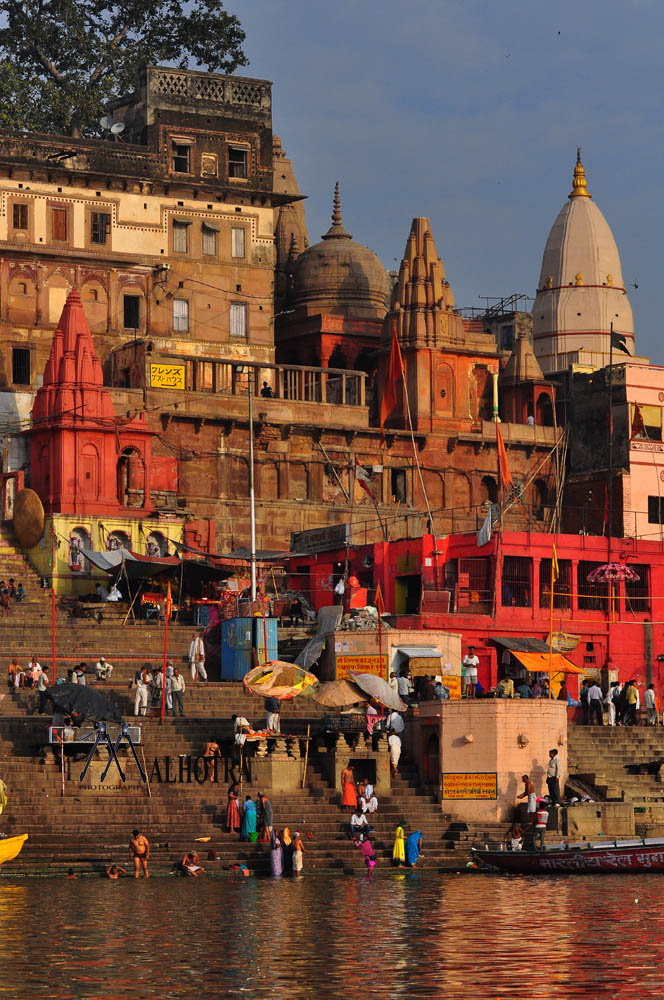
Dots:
(476, 937)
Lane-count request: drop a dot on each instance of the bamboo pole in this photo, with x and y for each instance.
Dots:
(306, 755)
(145, 771)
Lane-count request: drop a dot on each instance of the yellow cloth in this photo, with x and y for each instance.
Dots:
(399, 851)
(631, 695)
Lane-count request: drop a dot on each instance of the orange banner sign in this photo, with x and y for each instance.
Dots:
(362, 665)
(470, 786)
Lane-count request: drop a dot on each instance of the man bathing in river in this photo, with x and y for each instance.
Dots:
(139, 852)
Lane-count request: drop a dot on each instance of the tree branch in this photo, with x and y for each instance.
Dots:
(94, 76)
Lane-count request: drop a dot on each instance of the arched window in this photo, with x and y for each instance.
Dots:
(117, 540)
(156, 544)
(540, 499)
(79, 541)
(131, 478)
(544, 411)
(489, 490)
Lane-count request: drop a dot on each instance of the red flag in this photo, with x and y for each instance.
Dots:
(638, 426)
(503, 467)
(394, 373)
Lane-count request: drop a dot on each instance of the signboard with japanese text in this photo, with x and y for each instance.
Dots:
(362, 665)
(470, 786)
(167, 376)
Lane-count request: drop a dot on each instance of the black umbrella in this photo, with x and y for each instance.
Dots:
(87, 702)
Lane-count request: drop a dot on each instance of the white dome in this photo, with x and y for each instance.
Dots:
(581, 291)
(580, 241)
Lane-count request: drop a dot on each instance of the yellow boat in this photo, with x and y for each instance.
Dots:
(11, 847)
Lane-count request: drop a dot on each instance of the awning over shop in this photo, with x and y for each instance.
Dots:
(524, 644)
(139, 567)
(422, 660)
(542, 663)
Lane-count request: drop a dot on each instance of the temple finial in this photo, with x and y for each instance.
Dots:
(336, 230)
(579, 183)
(336, 211)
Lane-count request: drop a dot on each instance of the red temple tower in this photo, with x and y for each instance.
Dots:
(84, 459)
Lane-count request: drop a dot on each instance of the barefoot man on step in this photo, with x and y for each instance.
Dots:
(139, 852)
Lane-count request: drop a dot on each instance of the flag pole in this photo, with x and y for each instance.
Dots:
(553, 557)
(609, 496)
(163, 685)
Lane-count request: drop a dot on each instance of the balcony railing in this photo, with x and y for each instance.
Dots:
(293, 382)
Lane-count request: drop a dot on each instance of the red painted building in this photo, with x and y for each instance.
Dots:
(85, 459)
(450, 583)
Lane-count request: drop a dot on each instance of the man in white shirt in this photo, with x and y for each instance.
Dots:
(33, 671)
(471, 663)
(143, 684)
(553, 777)
(339, 591)
(197, 658)
(595, 699)
(178, 688)
(103, 669)
(405, 685)
(241, 727)
(651, 706)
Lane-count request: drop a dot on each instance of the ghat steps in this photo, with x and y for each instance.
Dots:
(602, 752)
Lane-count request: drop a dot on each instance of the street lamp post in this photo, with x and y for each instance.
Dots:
(252, 504)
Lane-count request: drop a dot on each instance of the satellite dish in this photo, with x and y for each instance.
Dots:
(106, 123)
(118, 128)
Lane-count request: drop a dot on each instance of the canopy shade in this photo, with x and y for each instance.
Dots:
(379, 690)
(542, 663)
(140, 567)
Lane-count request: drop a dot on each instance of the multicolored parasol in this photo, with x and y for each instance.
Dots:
(610, 572)
(278, 679)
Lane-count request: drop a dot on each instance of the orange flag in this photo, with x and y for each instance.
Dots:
(169, 601)
(503, 467)
(638, 426)
(378, 601)
(394, 373)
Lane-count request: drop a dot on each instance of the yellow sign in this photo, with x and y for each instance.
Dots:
(470, 786)
(167, 376)
(453, 682)
(362, 665)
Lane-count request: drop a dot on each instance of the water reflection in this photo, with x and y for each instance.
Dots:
(474, 937)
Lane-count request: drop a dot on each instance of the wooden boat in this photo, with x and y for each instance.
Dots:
(638, 855)
(11, 847)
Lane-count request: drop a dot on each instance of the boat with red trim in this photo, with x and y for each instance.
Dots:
(636, 855)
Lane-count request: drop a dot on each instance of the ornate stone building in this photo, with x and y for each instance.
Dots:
(178, 238)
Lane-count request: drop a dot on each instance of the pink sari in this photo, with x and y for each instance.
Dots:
(233, 815)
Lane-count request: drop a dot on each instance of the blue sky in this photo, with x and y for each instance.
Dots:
(470, 113)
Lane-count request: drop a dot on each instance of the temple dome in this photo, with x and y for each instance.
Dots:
(581, 291)
(340, 276)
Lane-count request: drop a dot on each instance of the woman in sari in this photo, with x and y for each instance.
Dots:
(276, 856)
(232, 810)
(248, 827)
(398, 851)
(413, 848)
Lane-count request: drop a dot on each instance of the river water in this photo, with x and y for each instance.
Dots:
(474, 936)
